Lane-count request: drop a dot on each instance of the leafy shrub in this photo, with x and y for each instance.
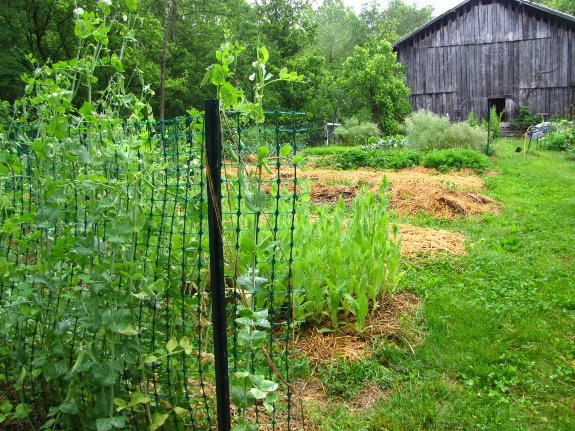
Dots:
(452, 159)
(472, 120)
(424, 130)
(428, 131)
(386, 143)
(355, 158)
(562, 138)
(354, 132)
(463, 136)
(494, 124)
(525, 119)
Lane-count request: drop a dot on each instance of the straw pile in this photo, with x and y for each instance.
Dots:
(440, 202)
(420, 240)
(386, 322)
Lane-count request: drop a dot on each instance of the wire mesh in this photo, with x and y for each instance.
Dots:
(104, 262)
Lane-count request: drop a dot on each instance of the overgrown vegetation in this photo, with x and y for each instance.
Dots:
(525, 119)
(446, 160)
(354, 132)
(561, 137)
(425, 131)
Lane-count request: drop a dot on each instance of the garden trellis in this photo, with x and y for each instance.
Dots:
(105, 288)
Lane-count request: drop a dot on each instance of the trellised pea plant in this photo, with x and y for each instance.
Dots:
(247, 387)
(85, 270)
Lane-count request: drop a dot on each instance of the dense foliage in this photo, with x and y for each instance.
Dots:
(560, 138)
(425, 130)
(176, 40)
(450, 159)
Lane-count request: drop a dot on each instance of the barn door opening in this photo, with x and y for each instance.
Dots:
(499, 103)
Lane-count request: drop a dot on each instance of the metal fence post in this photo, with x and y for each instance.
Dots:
(217, 281)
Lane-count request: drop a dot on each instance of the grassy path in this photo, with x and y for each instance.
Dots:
(499, 352)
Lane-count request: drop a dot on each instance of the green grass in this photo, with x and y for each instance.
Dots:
(499, 322)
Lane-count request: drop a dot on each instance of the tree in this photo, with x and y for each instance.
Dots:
(43, 28)
(394, 21)
(567, 6)
(375, 85)
(338, 31)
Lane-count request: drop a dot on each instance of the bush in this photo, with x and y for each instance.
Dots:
(463, 136)
(424, 130)
(562, 138)
(428, 131)
(525, 119)
(354, 132)
(355, 158)
(451, 159)
(494, 123)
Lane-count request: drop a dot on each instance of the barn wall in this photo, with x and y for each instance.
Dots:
(500, 49)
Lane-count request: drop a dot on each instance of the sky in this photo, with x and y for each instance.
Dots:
(439, 6)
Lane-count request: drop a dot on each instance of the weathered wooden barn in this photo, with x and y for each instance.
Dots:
(483, 53)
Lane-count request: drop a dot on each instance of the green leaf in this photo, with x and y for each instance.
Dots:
(171, 344)
(47, 217)
(263, 152)
(104, 424)
(267, 385)
(118, 421)
(217, 74)
(158, 419)
(129, 331)
(138, 397)
(115, 320)
(87, 109)
(263, 54)
(22, 411)
(70, 406)
(184, 342)
(58, 127)
(132, 5)
(117, 63)
(242, 399)
(82, 29)
(179, 411)
(286, 149)
(6, 407)
(258, 393)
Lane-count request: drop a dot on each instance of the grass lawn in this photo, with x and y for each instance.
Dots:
(499, 323)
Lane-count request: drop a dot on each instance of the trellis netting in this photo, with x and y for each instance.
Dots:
(105, 294)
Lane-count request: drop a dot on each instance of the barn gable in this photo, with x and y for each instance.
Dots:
(506, 53)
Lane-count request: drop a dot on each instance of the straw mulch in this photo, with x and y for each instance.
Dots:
(421, 240)
(372, 178)
(393, 320)
(388, 322)
(440, 202)
(416, 241)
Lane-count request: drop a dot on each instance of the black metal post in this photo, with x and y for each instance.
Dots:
(217, 281)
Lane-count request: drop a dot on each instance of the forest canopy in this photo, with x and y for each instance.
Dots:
(345, 57)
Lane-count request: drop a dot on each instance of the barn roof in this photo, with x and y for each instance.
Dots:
(528, 3)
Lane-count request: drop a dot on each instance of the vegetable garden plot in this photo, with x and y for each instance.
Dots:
(105, 296)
